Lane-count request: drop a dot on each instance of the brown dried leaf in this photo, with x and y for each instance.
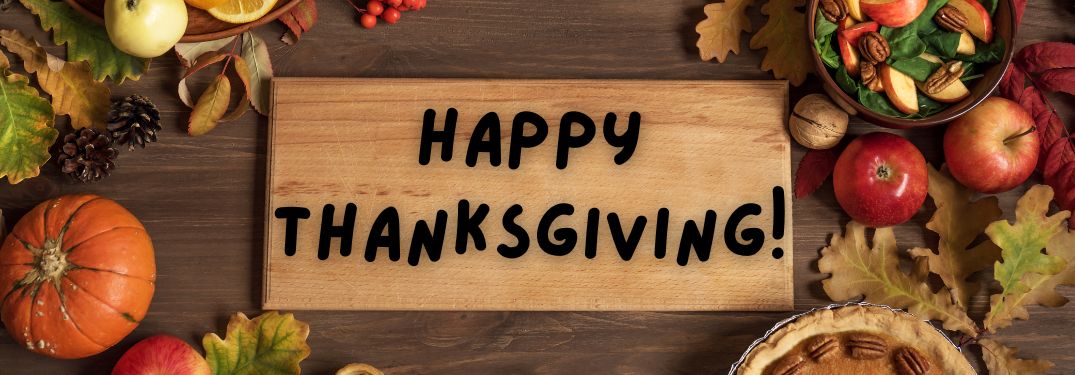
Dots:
(187, 53)
(1001, 360)
(787, 55)
(958, 222)
(719, 32)
(71, 85)
(859, 270)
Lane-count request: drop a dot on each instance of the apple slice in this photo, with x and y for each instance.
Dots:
(854, 9)
(893, 13)
(845, 23)
(966, 44)
(978, 22)
(931, 58)
(849, 55)
(953, 93)
(855, 32)
(900, 89)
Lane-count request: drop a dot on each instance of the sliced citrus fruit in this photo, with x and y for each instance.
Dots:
(241, 11)
(204, 4)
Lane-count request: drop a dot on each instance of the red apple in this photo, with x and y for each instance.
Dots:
(849, 55)
(161, 355)
(880, 179)
(993, 147)
(893, 13)
(979, 23)
(855, 32)
(900, 89)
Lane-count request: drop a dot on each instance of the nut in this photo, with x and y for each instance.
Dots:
(833, 10)
(868, 72)
(945, 76)
(817, 123)
(874, 48)
(359, 369)
(865, 346)
(951, 19)
(823, 346)
(910, 362)
(790, 365)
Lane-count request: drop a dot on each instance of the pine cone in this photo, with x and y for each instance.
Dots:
(87, 155)
(134, 121)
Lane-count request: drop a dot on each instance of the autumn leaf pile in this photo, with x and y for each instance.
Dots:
(1029, 258)
(782, 36)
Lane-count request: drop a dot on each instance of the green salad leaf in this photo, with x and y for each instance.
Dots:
(924, 23)
(942, 43)
(903, 41)
(985, 53)
(824, 31)
(916, 67)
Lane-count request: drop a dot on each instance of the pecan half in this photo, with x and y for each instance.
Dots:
(821, 347)
(791, 365)
(833, 10)
(870, 78)
(874, 48)
(945, 76)
(910, 362)
(866, 346)
(951, 19)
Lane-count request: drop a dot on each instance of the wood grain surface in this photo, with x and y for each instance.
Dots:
(202, 199)
(698, 146)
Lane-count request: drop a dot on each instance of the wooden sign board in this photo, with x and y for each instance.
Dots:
(543, 195)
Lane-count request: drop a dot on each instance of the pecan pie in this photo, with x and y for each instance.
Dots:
(855, 339)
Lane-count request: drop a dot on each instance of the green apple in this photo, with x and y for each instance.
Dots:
(145, 28)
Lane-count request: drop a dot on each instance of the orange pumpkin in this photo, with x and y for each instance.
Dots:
(76, 275)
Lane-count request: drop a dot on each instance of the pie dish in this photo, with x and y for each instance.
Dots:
(855, 339)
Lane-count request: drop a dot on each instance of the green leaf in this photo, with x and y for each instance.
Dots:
(26, 130)
(1021, 253)
(877, 102)
(924, 22)
(942, 43)
(904, 42)
(927, 106)
(86, 41)
(824, 30)
(916, 67)
(844, 80)
(985, 53)
(269, 344)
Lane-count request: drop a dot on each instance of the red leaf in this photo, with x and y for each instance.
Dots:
(1039, 57)
(814, 169)
(300, 19)
(1050, 128)
(1058, 80)
(1011, 86)
(1020, 5)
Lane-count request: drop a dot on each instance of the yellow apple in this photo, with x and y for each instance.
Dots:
(966, 44)
(953, 93)
(900, 89)
(145, 28)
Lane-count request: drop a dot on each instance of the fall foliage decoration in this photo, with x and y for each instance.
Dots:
(134, 121)
(782, 35)
(251, 65)
(87, 155)
(27, 118)
(388, 11)
(1024, 272)
(70, 84)
(299, 20)
(814, 168)
(62, 261)
(271, 343)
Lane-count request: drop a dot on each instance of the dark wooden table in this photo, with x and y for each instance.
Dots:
(203, 198)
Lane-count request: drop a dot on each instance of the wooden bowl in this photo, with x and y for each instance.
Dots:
(200, 25)
(1004, 25)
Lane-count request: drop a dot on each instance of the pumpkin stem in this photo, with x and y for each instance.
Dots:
(52, 261)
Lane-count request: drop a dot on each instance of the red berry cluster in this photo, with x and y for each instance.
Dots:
(387, 10)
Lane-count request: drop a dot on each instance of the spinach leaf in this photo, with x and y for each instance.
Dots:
(824, 30)
(903, 41)
(844, 80)
(985, 53)
(942, 43)
(927, 106)
(924, 23)
(971, 77)
(916, 67)
(877, 103)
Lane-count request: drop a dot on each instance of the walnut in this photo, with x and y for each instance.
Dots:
(910, 362)
(833, 10)
(823, 346)
(946, 75)
(866, 346)
(951, 19)
(870, 78)
(817, 123)
(874, 48)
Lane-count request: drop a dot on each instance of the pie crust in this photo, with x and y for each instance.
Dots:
(853, 339)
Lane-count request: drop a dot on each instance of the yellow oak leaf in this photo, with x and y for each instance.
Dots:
(71, 85)
(1042, 287)
(859, 270)
(958, 221)
(271, 343)
(1001, 360)
(1021, 256)
(719, 32)
(26, 130)
(783, 37)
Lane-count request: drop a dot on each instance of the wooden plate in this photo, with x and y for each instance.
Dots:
(200, 25)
